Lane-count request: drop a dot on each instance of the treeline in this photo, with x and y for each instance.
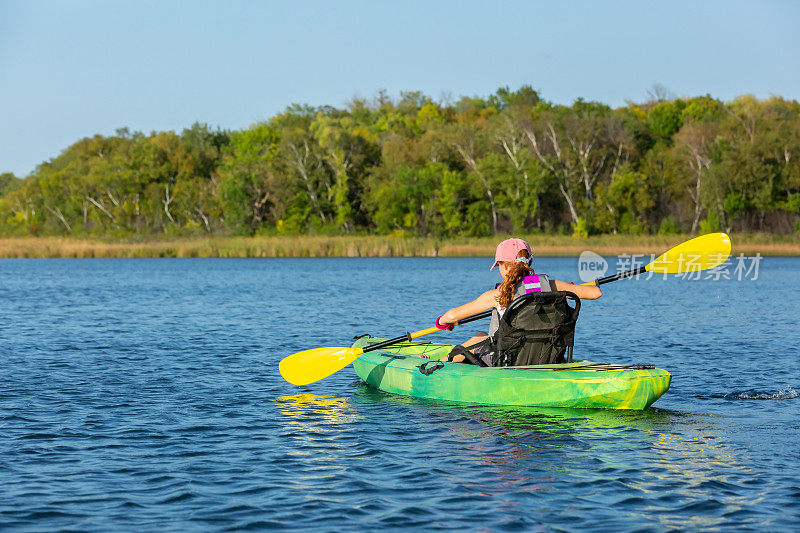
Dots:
(413, 166)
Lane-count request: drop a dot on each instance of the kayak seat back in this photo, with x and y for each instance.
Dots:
(537, 329)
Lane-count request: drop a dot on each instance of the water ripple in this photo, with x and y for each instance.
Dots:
(144, 395)
(785, 394)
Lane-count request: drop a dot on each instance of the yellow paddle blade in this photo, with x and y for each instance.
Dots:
(700, 253)
(308, 366)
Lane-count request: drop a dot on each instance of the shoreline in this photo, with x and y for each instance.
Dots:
(370, 246)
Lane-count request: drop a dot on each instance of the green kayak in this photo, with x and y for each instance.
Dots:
(396, 369)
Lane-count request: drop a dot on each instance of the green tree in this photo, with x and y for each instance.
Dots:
(250, 189)
(624, 202)
(666, 118)
(8, 183)
(520, 176)
(693, 150)
(406, 201)
(578, 147)
(505, 98)
(471, 143)
(346, 154)
(474, 166)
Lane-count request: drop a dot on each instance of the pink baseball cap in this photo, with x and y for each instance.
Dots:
(508, 250)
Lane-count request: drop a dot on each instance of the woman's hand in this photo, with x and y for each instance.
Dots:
(446, 325)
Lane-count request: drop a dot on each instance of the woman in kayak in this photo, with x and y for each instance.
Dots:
(513, 258)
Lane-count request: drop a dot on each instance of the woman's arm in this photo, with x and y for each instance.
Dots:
(485, 301)
(584, 292)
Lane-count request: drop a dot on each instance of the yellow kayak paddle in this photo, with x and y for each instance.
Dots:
(700, 253)
(312, 365)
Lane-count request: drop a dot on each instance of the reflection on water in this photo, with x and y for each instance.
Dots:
(513, 421)
(317, 426)
(307, 410)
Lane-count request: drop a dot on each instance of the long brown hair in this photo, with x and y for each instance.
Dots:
(518, 271)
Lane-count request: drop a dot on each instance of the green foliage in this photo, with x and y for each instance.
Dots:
(430, 113)
(450, 202)
(793, 203)
(734, 204)
(624, 201)
(580, 229)
(669, 226)
(407, 201)
(666, 118)
(504, 98)
(249, 187)
(702, 108)
(583, 108)
(477, 220)
(711, 224)
(8, 183)
(507, 163)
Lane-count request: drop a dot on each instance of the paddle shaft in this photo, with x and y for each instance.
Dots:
(410, 336)
(621, 275)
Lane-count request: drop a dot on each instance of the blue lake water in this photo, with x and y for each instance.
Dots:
(144, 394)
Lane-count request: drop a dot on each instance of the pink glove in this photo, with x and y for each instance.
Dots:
(448, 327)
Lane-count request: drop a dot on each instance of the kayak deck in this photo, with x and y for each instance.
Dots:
(583, 384)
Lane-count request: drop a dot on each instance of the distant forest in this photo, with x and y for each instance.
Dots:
(511, 162)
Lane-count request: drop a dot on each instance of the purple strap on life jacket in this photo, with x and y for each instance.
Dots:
(531, 283)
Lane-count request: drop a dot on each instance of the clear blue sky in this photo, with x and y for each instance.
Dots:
(70, 69)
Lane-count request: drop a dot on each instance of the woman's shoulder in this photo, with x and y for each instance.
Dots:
(490, 295)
